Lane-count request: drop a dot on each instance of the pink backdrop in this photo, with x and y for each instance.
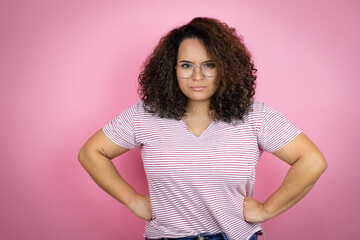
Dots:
(68, 67)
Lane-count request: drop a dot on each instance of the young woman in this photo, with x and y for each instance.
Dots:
(201, 135)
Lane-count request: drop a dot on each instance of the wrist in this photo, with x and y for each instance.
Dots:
(267, 211)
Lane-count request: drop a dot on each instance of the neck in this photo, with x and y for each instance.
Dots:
(199, 108)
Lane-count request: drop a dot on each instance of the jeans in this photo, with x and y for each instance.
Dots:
(254, 237)
(204, 236)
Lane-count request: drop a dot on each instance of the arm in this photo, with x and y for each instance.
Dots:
(95, 156)
(307, 165)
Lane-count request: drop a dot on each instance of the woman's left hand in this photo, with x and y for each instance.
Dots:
(253, 211)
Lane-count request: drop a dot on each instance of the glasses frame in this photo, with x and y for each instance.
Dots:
(193, 70)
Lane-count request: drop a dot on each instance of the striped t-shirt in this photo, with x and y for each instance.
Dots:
(198, 184)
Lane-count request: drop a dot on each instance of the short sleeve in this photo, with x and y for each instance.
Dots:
(275, 130)
(121, 130)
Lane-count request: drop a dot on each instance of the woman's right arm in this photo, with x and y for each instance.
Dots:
(95, 156)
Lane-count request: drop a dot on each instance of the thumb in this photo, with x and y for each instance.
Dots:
(247, 198)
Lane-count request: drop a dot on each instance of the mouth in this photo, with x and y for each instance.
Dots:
(197, 88)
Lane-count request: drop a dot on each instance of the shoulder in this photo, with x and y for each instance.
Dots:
(138, 107)
(141, 113)
(261, 112)
(135, 111)
(257, 106)
(256, 111)
(255, 116)
(261, 109)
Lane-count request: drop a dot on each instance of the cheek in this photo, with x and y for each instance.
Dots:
(182, 83)
(215, 84)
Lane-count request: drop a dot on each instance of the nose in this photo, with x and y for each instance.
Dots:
(197, 75)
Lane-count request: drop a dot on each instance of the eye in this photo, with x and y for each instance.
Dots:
(186, 65)
(209, 65)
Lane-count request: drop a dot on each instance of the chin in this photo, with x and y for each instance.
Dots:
(199, 99)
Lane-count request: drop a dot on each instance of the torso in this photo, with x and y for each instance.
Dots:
(199, 170)
(198, 124)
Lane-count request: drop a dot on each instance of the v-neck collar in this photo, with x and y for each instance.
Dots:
(192, 134)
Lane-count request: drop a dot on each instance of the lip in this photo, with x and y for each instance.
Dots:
(197, 88)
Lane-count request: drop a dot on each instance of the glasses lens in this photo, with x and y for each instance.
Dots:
(185, 70)
(208, 69)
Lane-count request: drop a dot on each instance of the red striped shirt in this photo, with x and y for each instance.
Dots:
(198, 184)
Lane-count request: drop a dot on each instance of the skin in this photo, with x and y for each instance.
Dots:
(95, 156)
(193, 51)
(305, 160)
(307, 164)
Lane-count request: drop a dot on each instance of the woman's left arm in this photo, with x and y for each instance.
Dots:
(307, 165)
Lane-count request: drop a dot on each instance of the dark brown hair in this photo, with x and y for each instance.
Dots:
(158, 86)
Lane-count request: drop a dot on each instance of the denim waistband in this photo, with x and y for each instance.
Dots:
(201, 236)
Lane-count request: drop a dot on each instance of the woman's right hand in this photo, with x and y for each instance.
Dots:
(141, 207)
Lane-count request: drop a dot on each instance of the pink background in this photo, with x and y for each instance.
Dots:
(68, 67)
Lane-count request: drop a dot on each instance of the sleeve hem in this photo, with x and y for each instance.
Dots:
(117, 142)
(286, 142)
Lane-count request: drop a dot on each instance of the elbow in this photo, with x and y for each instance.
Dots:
(320, 163)
(315, 163)
(83, 156)
(324, 165)
(85, 159)
(88, 157)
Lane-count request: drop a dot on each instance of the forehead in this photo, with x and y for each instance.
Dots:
(192, 49)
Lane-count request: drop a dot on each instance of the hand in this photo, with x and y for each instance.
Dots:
(141, 207)
(254, 211)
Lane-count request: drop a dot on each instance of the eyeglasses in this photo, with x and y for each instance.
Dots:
(186, 70)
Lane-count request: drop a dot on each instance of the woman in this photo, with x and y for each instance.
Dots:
(201, 135)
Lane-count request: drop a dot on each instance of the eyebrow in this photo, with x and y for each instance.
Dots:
(187, 61)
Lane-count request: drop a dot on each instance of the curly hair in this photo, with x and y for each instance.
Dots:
(236, 75)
